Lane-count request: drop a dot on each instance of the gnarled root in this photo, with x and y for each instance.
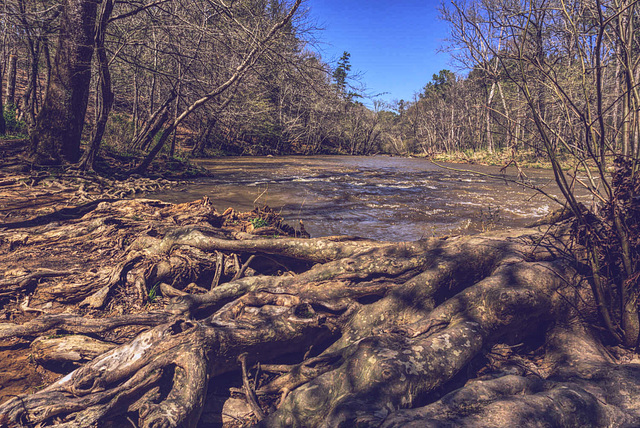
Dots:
(348, 332)
(388, 371)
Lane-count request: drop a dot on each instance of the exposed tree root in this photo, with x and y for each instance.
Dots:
(169, 303)
(78, 324)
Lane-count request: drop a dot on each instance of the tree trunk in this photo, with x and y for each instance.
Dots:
(153, 126)
(47, 59)
(203, 137)
(29, 97)
(58, 128)
(172, 150)
(509, 136)
(488, 118)
(88, 158)
(12, 74)
(3, 124)
(152, 89)
(136, 101)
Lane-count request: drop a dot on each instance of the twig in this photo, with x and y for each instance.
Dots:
(256, 379)
(24, 306)
(236, 264)
(521, 174)
(242, 391)
(279, 368)
(306, 354)
(244, 267)
(250, 393)
(219, 268)
(265, 191)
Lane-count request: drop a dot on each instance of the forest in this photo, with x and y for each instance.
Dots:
(187, 70)
(212, 77)
(120, 310)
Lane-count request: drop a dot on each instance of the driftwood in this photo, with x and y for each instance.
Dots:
(150, 322)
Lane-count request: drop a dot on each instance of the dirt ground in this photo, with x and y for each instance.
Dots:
(188, 315)
(50, 197)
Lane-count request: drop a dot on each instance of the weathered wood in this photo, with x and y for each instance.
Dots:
(78, 324)
(12, 286)
(358, 333)
(75, 349)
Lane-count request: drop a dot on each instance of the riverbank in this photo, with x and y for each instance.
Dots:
(27, 190)
(120, 310)
(170, 314)
(501, 158)
(63, 237)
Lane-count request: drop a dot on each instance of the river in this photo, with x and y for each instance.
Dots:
(380, 197)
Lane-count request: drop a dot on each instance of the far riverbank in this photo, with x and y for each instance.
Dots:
(500, 158)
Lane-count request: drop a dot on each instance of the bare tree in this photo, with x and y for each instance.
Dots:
(256, 49)
(89, 156)
(563, 58)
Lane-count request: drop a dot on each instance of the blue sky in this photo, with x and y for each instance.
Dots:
(393, 44)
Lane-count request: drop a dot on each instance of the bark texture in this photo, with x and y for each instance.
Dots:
(58, 128)
(162, 315)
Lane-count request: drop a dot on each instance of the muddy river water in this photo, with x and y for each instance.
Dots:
(381, 197)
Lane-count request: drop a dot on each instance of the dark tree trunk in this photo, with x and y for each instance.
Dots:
(11, 79)
(88, 159)
(143, 139)
(3, 125)
(58, 129)
(29, 97)
(203, 137)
